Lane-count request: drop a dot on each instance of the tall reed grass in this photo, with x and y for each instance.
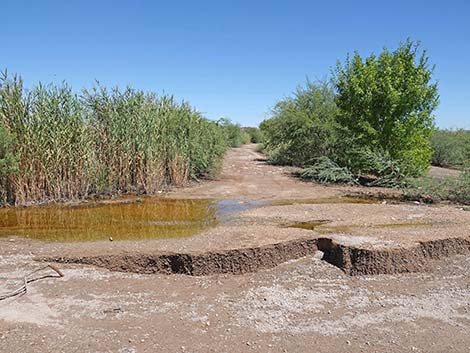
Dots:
(59, 145)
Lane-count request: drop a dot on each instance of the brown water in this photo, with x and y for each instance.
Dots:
(133, 218)
(147, 218)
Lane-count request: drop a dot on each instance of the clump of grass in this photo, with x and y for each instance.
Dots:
(59, 145)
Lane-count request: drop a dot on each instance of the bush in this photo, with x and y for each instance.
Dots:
(385, 105)
(327, 171)
(450, 148)
(388, 172)
(70, 146)
(234, 134)
(301, 127)
(255, 134)
(431, 189)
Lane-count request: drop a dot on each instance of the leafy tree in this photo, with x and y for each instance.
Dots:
(386, 104)
(301, 127)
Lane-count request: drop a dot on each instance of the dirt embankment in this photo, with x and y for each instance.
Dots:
(353, 260)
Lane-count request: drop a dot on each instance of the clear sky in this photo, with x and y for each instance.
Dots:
(229, 58)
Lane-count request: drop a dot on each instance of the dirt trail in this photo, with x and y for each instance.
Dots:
(245, 175)
(301, 305)
(399, 238)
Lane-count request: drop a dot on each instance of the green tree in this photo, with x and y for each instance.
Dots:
(386, 104)
(301, 127)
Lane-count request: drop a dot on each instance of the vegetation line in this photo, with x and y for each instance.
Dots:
(57, 145)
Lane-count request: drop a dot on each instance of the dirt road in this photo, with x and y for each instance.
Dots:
(302, 305)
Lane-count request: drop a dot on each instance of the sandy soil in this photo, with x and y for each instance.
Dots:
(442, 173)
(302, 305)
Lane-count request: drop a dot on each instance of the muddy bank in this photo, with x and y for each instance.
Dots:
(353, 260)
(237, 261)
(362, 261)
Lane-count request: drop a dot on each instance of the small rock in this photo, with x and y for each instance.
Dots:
(348, 342)
(110, 238)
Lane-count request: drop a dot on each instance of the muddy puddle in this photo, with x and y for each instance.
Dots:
(119, 219)
(132, 218)
(136, 220)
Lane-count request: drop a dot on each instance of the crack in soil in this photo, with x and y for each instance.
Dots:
(352, 260)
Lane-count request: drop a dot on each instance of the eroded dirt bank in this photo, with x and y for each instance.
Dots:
(353, 260)
(284, 298)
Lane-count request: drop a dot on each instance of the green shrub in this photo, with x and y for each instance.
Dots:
(326, 171)
(301, 127)
(431, 189)
(450, 148)
(385, 104)
(234, 134)
(387, 172)
(255, 134)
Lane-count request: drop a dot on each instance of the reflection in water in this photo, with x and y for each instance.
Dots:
(151, 218)
(137, 218)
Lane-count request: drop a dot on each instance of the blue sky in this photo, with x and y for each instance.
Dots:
(229, 58)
